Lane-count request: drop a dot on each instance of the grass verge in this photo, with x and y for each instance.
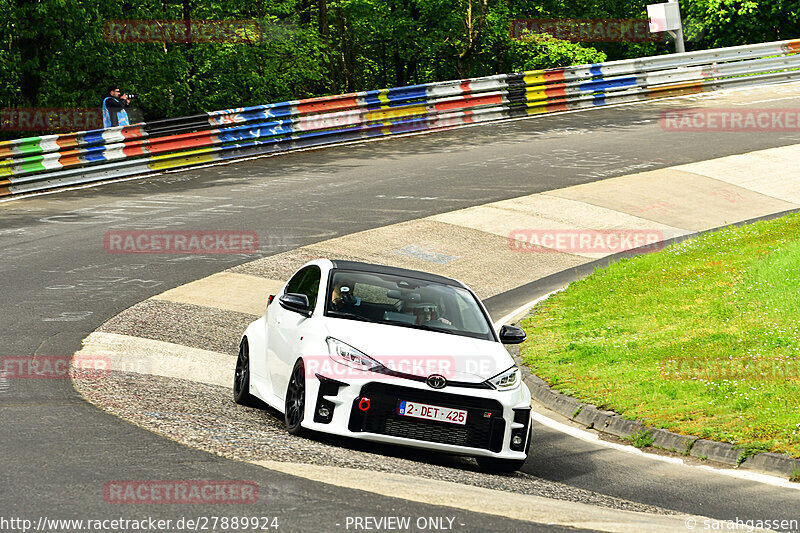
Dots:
(702, 338)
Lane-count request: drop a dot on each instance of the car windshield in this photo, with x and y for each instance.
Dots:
(407, 302)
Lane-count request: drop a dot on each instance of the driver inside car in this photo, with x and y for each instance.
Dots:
(342, 297)
(429, 313)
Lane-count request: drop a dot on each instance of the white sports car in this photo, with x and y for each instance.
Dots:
(388, 355)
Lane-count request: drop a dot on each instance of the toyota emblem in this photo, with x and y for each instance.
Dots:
(436, 381)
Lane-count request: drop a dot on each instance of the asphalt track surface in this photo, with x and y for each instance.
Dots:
(59, 284)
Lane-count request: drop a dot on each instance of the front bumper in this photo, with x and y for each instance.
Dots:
(494, 417)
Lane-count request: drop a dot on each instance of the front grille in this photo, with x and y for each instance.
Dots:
(484, 429)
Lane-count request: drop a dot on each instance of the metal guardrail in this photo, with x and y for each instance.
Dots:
(41, 163)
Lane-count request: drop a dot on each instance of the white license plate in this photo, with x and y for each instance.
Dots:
(432, 412)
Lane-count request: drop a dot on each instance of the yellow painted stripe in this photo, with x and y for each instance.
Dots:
(188, 152)
(383, 96)
(5, 170)
(177, 162)
(536, 93)
(534, 77)
(388, 114)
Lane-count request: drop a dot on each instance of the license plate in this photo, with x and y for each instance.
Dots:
(432, 412)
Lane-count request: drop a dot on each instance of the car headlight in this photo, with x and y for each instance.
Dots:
(345, 354)
(507, 380)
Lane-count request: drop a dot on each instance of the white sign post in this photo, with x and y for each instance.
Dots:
(667, 17)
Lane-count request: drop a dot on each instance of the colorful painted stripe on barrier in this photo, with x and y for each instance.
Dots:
(37, 163)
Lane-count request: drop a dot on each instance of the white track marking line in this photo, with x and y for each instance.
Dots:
(594, 438)
(765, 101)
(523, 309)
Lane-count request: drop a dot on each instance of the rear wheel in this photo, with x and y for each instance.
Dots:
(241, 378)
(296, 399)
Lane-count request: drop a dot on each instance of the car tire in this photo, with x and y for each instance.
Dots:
(296, 400)
(241, 378)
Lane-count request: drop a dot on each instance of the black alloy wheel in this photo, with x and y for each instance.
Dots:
(296, 399)
(241, 378)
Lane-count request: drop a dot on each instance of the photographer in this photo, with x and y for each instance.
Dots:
(114, 105)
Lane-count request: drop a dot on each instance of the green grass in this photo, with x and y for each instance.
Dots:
(702, 338)
(641, 439)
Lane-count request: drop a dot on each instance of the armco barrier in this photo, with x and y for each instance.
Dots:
(40, 163)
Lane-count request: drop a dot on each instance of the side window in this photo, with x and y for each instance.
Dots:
(306, 282)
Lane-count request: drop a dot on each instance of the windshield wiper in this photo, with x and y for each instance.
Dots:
(345, 314)
(415, 326)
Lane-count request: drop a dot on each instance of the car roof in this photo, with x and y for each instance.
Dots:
(396, 271)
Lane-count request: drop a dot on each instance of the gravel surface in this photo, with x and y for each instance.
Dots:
(205, 417)
(282, 266)
(206, 328)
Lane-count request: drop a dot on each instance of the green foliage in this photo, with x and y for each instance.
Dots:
(535, 52)
(749, 450)
(641, 439)
(54, 52)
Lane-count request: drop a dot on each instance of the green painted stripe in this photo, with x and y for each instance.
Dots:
(30, 145)
(29, 164)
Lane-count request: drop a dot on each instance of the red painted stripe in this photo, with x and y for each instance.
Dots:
(133, 132)
(556, 107)
(70, 160)
(6, 152)
(327, 105)
(554, 75)
(177, 142)
(67, 141)
(465, 87)
(469, 101)
(557, 91)
(136, 148)
(793, 46)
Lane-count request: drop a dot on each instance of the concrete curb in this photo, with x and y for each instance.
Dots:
(611, 423)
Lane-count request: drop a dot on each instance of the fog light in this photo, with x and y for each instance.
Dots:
(516, 440)
(324, 412)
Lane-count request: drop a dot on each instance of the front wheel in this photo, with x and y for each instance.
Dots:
(241, 379)
(296, 400)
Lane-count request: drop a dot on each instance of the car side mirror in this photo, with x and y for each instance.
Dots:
(512, 335)
(296, 302)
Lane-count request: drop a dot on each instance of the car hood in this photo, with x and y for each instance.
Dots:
(421, 352)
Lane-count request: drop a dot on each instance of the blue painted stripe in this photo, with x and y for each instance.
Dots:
(93, 137)
(602, 85)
